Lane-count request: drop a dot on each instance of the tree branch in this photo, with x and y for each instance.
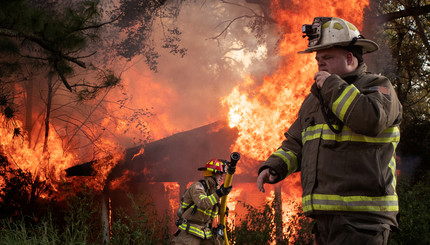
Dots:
(414, 11)
(230, 22)
(421, 33)
(99, 25)
(41, 43)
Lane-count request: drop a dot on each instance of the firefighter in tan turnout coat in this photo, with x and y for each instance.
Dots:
(200, 206)
(343, 141)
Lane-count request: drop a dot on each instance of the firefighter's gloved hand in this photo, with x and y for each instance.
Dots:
(268, 175)
(222, 191)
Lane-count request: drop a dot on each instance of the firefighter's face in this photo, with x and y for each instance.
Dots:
(218, 178)
(335, 61)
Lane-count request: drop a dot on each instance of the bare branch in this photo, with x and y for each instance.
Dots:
(414, 11)
(98, 25)
(230, 23)
(63, 79)
(265, 15)
(88, 116)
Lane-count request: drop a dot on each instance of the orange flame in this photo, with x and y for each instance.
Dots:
(119, 182)
(172, 191)
(141, 151)
(49, 166)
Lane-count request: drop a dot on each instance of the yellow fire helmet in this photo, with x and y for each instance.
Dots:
(327, 32)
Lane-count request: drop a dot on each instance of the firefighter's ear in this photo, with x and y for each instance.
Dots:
(350, 58)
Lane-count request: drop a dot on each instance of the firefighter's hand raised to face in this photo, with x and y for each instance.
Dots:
(320, 78)
(266, 176)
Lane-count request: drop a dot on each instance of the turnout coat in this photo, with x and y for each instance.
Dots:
(352, 172)
(201, 208)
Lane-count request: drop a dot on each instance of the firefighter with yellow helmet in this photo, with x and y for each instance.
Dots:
(343, 141)
(200, 205)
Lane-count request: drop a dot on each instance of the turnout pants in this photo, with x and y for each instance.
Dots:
(183, 238)
(340, 229)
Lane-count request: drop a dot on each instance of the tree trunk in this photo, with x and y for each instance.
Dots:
(29, 109)
(48, 112)
(105, 215)
(278, 214)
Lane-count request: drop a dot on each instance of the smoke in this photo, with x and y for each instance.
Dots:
(185, 92)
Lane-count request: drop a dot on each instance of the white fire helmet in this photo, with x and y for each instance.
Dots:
(327, 32)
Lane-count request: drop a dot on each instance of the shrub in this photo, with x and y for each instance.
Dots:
(142, 226)
(414, 202)
(259, 226)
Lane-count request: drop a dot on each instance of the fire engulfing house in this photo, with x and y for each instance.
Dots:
(162, 170)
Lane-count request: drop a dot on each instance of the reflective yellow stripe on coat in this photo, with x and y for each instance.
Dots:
(341, 105)
(323, 202)
(289, 158)
(389, 135)
(196, 231)
(211, 198)
(209, 212)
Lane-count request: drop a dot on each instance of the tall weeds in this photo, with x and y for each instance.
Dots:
(79, 222)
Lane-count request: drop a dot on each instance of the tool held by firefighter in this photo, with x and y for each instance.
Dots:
(234, 158)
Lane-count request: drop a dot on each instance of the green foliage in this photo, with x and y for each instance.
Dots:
(142, 226)
(22, 233)
(79, 224)
(51, 35)
(137, 20)
(414, 202)
(259, 226)
(107, 80)
(82, 218)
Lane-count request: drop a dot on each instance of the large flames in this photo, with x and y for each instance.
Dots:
(44, 165)
(48, 164)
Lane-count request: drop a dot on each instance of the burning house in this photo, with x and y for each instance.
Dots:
(163, 169)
